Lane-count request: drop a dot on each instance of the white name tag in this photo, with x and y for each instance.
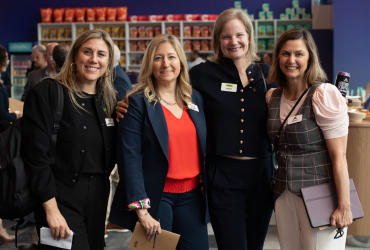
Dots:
(192, 106)
(295, 119)
(229, 87)
(109, 122)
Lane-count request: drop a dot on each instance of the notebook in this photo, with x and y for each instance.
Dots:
(321, 201)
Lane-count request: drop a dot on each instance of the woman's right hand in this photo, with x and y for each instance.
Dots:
(121, 108)
(151, 225)
(57, 223)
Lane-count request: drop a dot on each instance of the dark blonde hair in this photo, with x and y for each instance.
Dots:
(314, 72)
(225, 17)
(68, 74)
(146, 80)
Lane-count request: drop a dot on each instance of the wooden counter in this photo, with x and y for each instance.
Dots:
(358, 158)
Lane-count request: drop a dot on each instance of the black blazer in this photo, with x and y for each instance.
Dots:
(70, 160)
(33, 78)
(121, 82)
(4, 106)
(143, 156)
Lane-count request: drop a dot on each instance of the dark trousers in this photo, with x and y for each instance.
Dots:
(240, 201)
(84, 208)
(184, 214)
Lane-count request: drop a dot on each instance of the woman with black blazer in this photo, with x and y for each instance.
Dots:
(161, 149)
(73, 192)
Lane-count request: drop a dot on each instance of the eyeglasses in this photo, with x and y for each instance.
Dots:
(339, 233)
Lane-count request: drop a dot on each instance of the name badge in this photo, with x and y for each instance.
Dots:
(229, 87)
(192, 106)
(109, 122)
(295, 119)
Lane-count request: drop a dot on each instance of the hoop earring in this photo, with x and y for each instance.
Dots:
(71, 70)
(106, 72)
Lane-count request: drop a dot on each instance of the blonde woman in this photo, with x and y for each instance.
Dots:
(73, 192)
(161, 144)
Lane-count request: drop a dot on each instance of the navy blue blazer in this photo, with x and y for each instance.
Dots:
(121, 82)
(143, 156)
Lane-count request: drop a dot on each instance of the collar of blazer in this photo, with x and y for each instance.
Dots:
(158, 121)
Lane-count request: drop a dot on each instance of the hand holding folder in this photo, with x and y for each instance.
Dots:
(164, 241)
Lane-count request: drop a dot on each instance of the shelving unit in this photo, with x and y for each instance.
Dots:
(124, 38)
(18, 69)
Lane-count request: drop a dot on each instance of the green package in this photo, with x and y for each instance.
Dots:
(295, 4)
(261, 44)
(269, 30)
(238, 5)
(282, 16)
(280, 29)
(270, 44)
(251, 16)
(262, 30)
(265, 7)
(262, 15)
(290, 27)
(270, 15)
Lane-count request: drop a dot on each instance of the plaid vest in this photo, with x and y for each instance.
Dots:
(304, 158)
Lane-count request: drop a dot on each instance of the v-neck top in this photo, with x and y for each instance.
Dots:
(183, 154)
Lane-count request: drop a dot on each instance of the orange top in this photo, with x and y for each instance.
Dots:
(183, 154)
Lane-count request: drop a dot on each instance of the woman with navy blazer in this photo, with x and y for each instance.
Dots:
(161, 145)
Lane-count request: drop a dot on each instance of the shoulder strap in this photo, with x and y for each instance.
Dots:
(263, 77)
(57, 117)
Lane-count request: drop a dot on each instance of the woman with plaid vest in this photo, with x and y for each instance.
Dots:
(312, 143)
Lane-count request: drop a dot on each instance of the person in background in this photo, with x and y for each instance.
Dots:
(73, 192)
(122, 84)
(237, 155)
(161, 150)
(8, 117)
(267, 58)
(5, 116)
(59, 55)
(195, 58)
(37, 76)
(5, 80)
(311, 151)
(38, 58)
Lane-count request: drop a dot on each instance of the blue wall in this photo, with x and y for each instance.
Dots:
(351, 40)
(19, 18)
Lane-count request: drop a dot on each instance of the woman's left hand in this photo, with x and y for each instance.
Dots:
(341, 217)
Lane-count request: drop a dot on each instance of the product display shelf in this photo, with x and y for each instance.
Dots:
(128, 59)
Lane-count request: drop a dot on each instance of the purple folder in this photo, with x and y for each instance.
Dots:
(321, 201)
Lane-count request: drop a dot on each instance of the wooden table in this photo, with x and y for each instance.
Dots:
(358, 158)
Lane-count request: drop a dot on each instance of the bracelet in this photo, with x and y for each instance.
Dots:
(143, 216)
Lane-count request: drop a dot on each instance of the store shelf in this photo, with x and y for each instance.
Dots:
(127, 56)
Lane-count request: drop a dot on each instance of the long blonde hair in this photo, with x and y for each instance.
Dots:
(225, 17)
(314, 72)
(68, 74)
(146, 79)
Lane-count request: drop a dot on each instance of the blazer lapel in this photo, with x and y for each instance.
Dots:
(158, 121)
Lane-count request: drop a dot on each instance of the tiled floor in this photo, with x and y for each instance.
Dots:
(119, 241)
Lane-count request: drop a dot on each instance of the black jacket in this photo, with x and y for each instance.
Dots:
(70, 160)
(121, 82)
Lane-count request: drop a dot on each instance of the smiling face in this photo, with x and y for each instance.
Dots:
(166, 65)
(234, 40)
(293, 59)
(92, 60)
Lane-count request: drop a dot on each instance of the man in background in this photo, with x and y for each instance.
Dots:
(59, 56)
(196, 59)
(37, 76)
(37, 57)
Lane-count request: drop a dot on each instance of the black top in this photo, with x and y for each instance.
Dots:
(4, 106)
(236, 121)
(78, 136)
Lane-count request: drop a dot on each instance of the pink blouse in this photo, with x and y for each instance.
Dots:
(329, 107)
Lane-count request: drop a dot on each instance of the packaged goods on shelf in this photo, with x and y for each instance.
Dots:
(262, 15)
(265, 7)
(290, 27)
(251, 16)
(80, 15)
(149, 31)
(137, 18)
(187, 45)
(269, 30)
(114, 31)
(141, 32)
(45, 33)
(111, 14)
(245, 11)
(210, 30)
(122, 30)
(238, 5)
(122, 60)
(90, 15)
(306, 16)
(270, 15)
(69, 15)
(196, 45)
(261, 30)
(280, 29)
(97, 27)
(187, 31)
(133, 32)
(294, 17)
(157, 31)
(155, 18)
(133, 46)
(60, 33)
(141, 45)
(121, 14)
(169, 30)
(196, 31)
(58, 15)
(122, 45)
(301, 11)
(204, 45)
(295, 4)
(46, 14)
(81, 29)
(53, 34)
(107, 29)
(176, 31)
(261, 44)
(170, 17)
(270, 44)
(100, 14)
(204, 31)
